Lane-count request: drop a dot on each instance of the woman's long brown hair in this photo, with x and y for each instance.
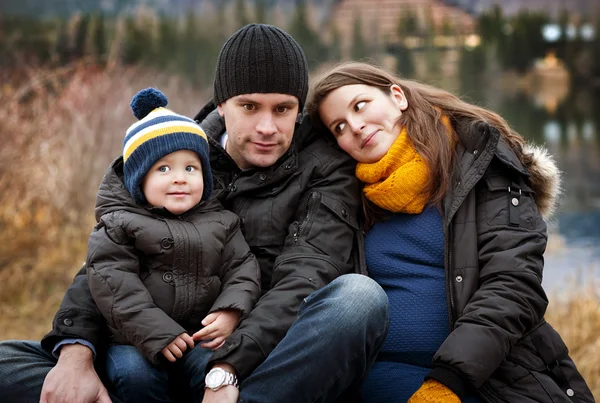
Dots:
(422, 118)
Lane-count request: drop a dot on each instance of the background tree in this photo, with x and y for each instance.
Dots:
(260, 11)
(241, 14)
(96, 42)
(359, 49)
(81, 34)
(300, 30)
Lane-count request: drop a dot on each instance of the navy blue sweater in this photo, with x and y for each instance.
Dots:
(405, 255)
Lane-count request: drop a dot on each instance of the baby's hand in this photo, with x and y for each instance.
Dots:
(176, 348)
(217, 326)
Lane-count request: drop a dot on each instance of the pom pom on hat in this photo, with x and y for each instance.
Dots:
(146, 101)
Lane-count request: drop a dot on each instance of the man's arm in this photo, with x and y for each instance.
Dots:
(240, 283)
(78, 317)
(318, 248)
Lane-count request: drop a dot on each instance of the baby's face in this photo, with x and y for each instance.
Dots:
(175, 182)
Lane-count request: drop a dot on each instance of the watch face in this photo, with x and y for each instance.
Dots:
(215, 377)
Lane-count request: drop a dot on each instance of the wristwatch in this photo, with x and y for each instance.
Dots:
(218, 377)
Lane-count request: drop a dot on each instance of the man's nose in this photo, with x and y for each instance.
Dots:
(266, 124)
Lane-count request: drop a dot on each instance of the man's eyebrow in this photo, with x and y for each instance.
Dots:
(245, 100)
(291, 102)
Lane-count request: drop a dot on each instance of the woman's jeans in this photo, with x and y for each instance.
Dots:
(329, 348)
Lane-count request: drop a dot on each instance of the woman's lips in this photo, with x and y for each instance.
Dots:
(366, 141)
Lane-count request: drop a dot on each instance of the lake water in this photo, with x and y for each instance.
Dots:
(570, 128)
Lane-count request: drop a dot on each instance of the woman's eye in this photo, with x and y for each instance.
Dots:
(340, 127)
(190, 168)
(164, 168)
(249, 107)
(359, 105)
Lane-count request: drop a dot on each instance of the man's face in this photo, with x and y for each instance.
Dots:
(259, 127)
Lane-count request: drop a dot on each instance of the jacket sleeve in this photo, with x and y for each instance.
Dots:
(78, 316)
(240, 284)
(113, 276)
(510, 300)
(318, 248)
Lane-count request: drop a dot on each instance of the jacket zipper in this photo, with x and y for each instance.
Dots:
(232, 182)
(450, 279)
(306, 218)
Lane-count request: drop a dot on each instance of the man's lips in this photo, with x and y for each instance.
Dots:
(264, 146)
(369, 137)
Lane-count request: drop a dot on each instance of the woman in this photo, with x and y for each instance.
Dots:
(455, 205)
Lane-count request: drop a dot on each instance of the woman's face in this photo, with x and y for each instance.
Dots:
(364, 119)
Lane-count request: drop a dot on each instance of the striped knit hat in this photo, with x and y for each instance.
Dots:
(159, 132)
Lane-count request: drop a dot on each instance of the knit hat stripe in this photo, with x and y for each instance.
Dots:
(158, 112)
(158, 130)
(153, 120)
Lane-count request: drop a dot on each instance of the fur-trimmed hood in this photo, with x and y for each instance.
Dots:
(545, 179)
(535, 162)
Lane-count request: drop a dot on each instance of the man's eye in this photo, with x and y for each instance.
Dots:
(190, 168)
(359, 105)
(249, 107)
(340, 127)
(282, 109)
(164, 168)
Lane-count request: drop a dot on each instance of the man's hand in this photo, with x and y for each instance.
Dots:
(74, 379)
(176, 348)
(217, 326)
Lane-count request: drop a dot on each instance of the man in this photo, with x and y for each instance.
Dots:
(313, 333)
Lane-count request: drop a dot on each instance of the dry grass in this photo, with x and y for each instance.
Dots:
(59, 131)
(576, 316)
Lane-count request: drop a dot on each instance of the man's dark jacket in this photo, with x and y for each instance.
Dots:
(496, 235)
(299, 217)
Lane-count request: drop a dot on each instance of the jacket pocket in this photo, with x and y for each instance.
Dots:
(539, 369)
(507, 203)
(330, 226)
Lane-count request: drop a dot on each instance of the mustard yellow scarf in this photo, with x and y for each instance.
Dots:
(397, 181)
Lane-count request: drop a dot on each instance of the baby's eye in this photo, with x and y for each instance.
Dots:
(340, 127)
(190, 168)
(359, 105)
(164, 168)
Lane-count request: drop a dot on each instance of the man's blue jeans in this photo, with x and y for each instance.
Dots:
(329, 348)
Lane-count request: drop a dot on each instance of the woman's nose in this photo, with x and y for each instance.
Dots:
(355, 125)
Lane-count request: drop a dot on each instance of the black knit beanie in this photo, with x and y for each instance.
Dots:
(261, 58)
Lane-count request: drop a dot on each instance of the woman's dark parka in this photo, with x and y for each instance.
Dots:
(155, 275)
(495, 240)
